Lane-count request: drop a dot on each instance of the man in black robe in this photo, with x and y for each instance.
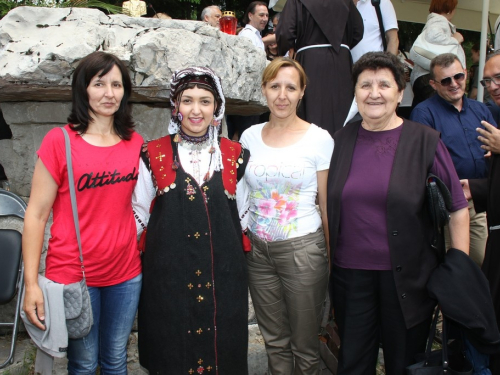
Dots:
(485, 193)
(321, 33)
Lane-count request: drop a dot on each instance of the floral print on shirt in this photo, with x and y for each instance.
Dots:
(275, 205)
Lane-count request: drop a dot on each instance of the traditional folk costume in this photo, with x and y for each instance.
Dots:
(193, 313)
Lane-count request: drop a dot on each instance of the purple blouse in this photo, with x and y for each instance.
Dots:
(362, 242)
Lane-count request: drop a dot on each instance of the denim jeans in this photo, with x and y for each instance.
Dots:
(480, 362)
(114, 308)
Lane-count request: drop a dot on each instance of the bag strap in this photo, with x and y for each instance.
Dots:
(432, 334)
(376, 4)
(72, 194)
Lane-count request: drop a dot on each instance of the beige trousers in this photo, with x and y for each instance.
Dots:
(288, 283)
(478, 232)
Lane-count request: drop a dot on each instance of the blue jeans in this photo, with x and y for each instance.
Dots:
(480, 362)
(114, 309)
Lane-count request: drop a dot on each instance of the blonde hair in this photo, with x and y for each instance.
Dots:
(273, 68)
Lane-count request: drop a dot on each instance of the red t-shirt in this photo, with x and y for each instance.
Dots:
(105, 178)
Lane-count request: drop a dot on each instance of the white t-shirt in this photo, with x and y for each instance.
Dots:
(253, 34)
(282, 183)
(372, 41)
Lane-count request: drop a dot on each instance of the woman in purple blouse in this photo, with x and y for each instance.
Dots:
(379, 228)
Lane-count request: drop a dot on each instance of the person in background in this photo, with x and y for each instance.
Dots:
(474, 75)
(372, 39)
(272, 50)
(321, 35)
(193, 312)
(380, 249)
(439, 31)
(288, 263)
(211, 15)
(276, 20)
(105, 150)
(456, 117)
(485, 192)
(255, 19)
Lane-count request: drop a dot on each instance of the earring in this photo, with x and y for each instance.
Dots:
(215, 122)
(180, 117)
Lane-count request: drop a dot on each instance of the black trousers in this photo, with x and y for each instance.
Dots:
(367, 312)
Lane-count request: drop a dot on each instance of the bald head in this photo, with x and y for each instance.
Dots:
(491, 78)
(212, 15)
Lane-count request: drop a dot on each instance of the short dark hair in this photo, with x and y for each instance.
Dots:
(99, 63)
(442, 6)
(251, 9)
(380, 60)
(493, 54)
(444, 60)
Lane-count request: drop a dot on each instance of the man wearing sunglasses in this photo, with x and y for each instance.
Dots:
(456, 117)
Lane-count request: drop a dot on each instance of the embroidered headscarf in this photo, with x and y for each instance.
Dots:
(204, 78)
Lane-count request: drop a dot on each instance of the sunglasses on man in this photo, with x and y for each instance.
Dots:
(459, 77)
(487, 81)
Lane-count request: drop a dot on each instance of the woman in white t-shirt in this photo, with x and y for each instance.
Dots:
(288, 265)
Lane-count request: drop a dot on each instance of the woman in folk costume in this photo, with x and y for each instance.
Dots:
(194, 306)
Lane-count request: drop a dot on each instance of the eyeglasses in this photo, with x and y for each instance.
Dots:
(459, 77)
(487, 81)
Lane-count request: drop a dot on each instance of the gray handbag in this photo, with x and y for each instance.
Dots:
(77, 305)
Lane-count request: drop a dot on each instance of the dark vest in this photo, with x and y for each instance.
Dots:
(408, 225)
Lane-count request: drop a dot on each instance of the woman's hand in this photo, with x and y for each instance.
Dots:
(33, 306)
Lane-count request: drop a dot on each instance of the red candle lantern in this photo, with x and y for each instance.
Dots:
(228, 23)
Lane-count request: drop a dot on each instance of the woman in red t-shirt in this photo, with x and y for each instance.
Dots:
(105, 156)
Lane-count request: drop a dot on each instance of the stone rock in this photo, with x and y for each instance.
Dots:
(40, 48)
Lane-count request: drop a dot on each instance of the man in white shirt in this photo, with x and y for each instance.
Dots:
(372, 40)
(256, 19)
(212, 15)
